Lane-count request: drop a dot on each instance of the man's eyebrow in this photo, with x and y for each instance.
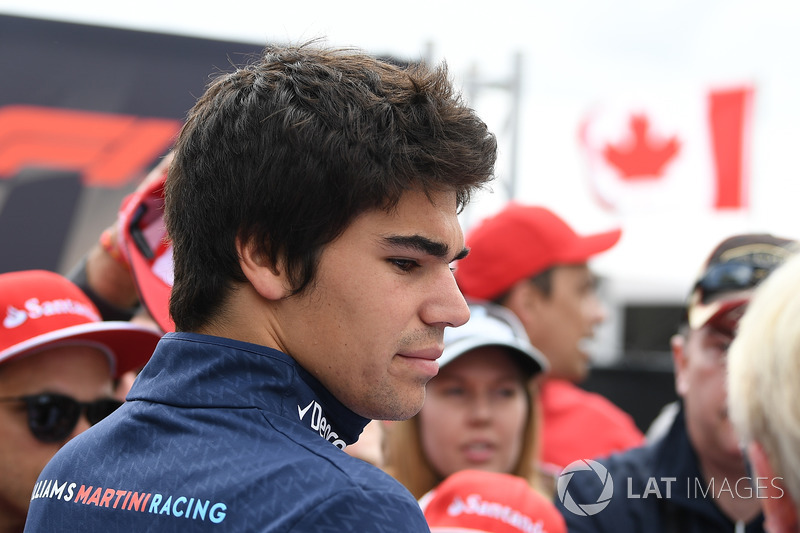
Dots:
(425, 245)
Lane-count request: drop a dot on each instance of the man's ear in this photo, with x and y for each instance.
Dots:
(678, 345)
(780, 514)
(524, 299)
(268, 279)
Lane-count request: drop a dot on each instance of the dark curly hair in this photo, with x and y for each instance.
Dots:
(287, 151)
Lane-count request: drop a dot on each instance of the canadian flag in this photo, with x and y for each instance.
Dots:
(685, 149)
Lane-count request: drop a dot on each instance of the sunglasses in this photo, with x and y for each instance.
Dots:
(732, 276)
(147, 229)
(53, 417)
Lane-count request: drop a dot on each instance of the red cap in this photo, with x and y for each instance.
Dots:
(143, 237)
(480, 501)
(44, 310)
(520, 242)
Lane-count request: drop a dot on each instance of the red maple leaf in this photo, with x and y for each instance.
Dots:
(641, 155)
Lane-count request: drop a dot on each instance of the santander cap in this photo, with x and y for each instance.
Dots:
(42, 310)
(143, 237)
(479, 501)
(519, 242)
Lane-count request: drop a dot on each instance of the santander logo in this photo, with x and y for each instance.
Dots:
(33, 309)
(14, 317)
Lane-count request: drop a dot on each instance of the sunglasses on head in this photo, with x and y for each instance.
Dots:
(729, 277)
(53, 417)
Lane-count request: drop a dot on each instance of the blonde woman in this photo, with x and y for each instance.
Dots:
(480, 411)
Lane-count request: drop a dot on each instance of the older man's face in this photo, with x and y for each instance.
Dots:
(78, 372)
(700, 371)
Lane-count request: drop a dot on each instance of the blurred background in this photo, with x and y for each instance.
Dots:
(676, 120)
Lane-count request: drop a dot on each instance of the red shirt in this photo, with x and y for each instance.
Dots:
(577, 424)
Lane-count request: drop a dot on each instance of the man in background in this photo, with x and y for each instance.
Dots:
(693, 476)
(57, 362)
(531, 261)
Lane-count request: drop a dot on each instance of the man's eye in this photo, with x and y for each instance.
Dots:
(722, 348)
(406, 265)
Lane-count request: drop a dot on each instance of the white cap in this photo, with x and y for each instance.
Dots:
(492, 325)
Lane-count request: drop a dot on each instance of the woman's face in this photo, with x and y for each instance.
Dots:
(475, 413)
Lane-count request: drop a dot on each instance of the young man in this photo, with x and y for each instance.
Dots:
(763, 371)
(531, 261)
(57, 361)
(312, 205)
(692, 478)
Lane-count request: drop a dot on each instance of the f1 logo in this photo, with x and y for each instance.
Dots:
(48, 158)
(108, 150)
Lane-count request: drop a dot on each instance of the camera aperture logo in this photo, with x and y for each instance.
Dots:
(585, 508)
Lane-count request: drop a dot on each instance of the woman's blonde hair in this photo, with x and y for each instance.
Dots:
(405, 459)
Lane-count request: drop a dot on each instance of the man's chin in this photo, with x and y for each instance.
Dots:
(731, 442)
(580, 377)
(581, 369)
(403, 408)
